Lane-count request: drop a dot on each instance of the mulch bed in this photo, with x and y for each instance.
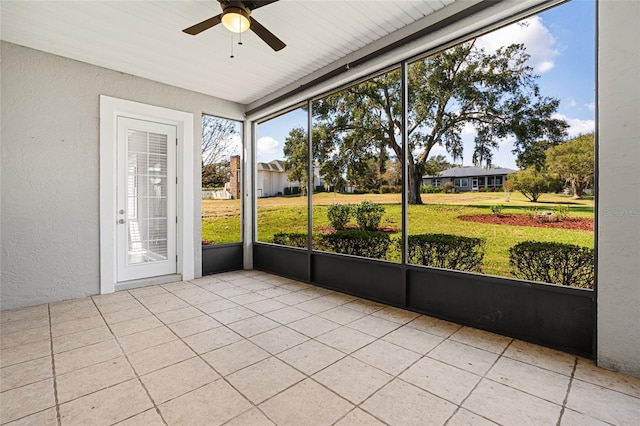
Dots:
(574, 223)
(331, 230)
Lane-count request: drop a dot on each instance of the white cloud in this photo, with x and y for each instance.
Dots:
(468, 129)
(577, 126)
(507, 141)
(437, 150)
(267, 145)
(540, 43)
(590, 106)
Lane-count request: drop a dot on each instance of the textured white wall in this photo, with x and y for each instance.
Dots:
(619, 187)
(50, 174)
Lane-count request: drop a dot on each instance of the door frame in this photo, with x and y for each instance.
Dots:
(110, 109)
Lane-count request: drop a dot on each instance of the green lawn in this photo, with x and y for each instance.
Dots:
(439, 214)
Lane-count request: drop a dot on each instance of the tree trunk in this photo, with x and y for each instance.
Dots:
(414, 182)
(577, 189)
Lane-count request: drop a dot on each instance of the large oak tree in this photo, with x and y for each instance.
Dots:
(495, 92)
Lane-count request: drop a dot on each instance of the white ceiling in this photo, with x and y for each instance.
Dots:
(144, 38)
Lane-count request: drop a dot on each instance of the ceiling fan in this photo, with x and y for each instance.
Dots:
(236, 17)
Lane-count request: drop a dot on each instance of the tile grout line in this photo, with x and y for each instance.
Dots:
(306, 376)
(124, 354)
(197, 355)
(393, 377)
(397, 376)
(535, 365)
(566, 396)
(399, 325)
(53, 369)
(459, 406)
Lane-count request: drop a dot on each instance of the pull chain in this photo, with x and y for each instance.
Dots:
(232, 46)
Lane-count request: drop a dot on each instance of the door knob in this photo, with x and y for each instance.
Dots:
(121, 221)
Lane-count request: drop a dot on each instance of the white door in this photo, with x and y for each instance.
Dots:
(474, 184)
(146, 199)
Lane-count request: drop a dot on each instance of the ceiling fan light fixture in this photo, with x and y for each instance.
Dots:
(236, 19)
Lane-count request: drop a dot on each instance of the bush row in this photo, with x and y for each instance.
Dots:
(564, 264)
(447, 251)
(437, 250)
(357, 243)
(291, 239)
(292, 190)
(549, 262)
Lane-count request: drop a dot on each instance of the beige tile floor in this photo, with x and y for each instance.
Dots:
(248, 348)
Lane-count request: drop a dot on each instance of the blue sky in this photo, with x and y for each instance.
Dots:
(561, 42)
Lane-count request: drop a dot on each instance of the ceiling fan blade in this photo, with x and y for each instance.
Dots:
(204, 25)
(267, 36)
(252, 5)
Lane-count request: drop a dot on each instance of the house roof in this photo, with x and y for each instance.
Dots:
(470, 171)
(271, 166)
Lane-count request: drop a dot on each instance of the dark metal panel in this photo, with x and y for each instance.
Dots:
(285, 261)
(221, 258)
(553, 316)
(371, 279)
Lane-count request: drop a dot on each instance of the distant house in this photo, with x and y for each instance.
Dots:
(272, 179)
(469, 178)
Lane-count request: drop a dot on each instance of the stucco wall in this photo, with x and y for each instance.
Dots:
(619, 187)
(50, 168)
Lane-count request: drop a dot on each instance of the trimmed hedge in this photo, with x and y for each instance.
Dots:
(292, 239)
(447, 251)
(556, 263)
(430, 189)
(357, 243)
(390, 189)
(292, 190)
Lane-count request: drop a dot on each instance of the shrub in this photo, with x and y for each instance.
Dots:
(447, 251)
(562, 212)
(430, 189)
(507, 186)
(368, 215)
(357, 243)
(550, 262)
(292, 190)
(448, 187)
(496, 209)
(390, 189)
(292, 239)
(339, 215)
(321, 188)
(531, 183)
